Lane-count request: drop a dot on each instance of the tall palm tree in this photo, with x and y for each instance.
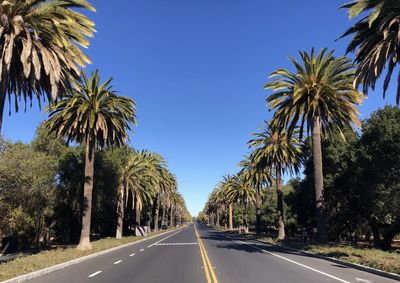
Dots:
(137, 178)
(164, 180)
(242, 192)
(226, 185)
(257, 177)
(277, 151)
(40, 48)
(175, 199)
(166, 193)
(376, 40)
(318, 96)
(93, 114)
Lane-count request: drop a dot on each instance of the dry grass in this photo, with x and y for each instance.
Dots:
(30, 263)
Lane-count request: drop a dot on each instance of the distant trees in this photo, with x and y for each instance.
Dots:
(50, 175)
(361, 178)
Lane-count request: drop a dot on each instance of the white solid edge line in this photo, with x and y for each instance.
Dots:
(165, 238)
(119, 261)
(94, 274)
(292, 261)
(131, 254)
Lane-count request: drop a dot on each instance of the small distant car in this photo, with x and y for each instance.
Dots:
(164, 227)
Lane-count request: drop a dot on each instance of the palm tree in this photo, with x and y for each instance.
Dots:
(164, 180)
(242, 192)
(40, 48)
(166, 193)
(175, 199)
(92, 114)
(277, 151)
(257, 177)
(226, 185)
(320, 96)
(137, 178)
(376, 38)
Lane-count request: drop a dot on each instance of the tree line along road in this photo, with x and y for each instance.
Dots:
(199, 254)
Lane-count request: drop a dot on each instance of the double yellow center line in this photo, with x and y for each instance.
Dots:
(208, 268)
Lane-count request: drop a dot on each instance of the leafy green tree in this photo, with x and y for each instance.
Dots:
(40, 45)
(279, 153)
(381, 143)
(26, 175)
(376, 41)
(318, 96)
(94, 115)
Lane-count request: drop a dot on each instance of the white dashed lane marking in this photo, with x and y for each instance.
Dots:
(142, 250)
(176, 244)
(119, 261)
(131, 254)
(94, 274)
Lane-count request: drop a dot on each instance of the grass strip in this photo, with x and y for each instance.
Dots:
(30, 263)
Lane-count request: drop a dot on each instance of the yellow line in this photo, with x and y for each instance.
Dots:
(207, 263)
(203, 258)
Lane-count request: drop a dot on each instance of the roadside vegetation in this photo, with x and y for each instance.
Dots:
(78, 180)
(52, 256)
(348, 195)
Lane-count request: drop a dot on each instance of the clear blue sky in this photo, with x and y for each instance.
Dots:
(197, 70)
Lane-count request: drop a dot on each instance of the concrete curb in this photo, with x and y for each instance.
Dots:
(63, 265)
(338, 261)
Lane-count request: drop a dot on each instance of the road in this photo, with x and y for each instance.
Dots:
(199, 254)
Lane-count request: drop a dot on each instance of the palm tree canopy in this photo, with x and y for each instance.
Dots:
(140, 176)
(94, 112)
(257, 176)
(240, 190)
(376, 40)
(40, 44)
(277, 150)
(321, 87)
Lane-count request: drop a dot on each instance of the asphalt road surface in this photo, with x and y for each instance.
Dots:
(199, 254)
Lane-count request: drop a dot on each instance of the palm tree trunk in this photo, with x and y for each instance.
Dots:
(156, 211)
(258, 210)
(230, 217)
(120, 213)
(172, 216)
(217, 220)
(84, 243)
(3, 94)
(137, 212)
(279, 206)
(163, 221)
(320, 208)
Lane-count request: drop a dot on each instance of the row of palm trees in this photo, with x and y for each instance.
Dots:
(147, 179)
(316, 99)
(94, 115)
(320, 97)
(41, 56)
